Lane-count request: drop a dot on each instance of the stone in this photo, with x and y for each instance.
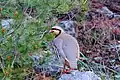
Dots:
(68, 26)
(6, 24)
(51, 65)
(77, 75)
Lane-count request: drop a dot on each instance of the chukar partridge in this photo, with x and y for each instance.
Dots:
(67, 47)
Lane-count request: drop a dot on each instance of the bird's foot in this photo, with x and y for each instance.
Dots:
(67, 71)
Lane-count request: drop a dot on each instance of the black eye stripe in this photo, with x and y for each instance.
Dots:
(55, 29)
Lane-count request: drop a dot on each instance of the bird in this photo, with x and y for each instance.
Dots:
(67, 47)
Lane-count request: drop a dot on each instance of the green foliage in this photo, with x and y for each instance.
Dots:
(30, 33)
(84, 8)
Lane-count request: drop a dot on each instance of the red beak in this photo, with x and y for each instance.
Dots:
(51, 31)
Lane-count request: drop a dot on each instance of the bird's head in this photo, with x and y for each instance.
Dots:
(56, 30)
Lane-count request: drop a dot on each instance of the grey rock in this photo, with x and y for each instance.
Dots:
(6, 23)
(51, 65)
(36, 58)
(109, 13)
(69, 26)
(116, 47)
(105, 10)
(77, 75)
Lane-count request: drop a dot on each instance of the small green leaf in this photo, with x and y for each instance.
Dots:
(7, 78)
(49, 37)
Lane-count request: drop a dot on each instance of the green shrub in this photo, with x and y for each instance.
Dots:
(32, 20)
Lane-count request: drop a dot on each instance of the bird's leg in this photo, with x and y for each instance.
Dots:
(66, 64)
(69, 67)
(64, 67)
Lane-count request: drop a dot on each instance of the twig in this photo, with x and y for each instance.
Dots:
(2, 66)
(89, 30)
(43, 34)
(6, 3)
(13, 61)
(3, 78)
(85, 2)
(105, 67)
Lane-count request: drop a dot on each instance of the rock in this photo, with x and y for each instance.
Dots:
(77, 75)
(51, 65)
(6, 24)
(115, 48)
(69, 26)
(105, 10)
(36, 58)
